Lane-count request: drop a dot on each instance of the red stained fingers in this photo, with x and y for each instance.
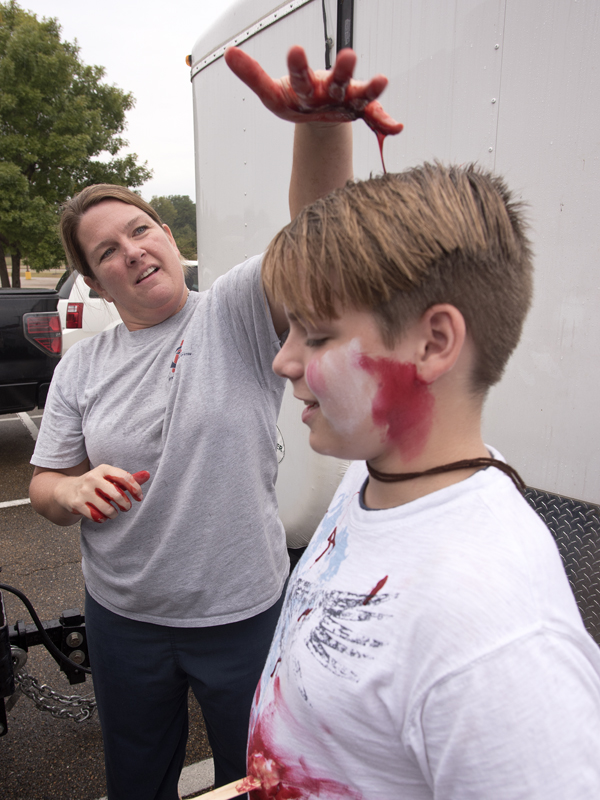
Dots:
(302, 78)
(307, 96)
(380, 121)
(253, 75)
(97, 515)
(109, 499)
(122, 486)
(340, 76)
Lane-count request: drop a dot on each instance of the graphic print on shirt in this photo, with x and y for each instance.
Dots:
(329, 625)
(326, 621)
(178, 354)
(320, 628)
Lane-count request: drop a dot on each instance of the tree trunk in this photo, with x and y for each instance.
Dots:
(3, 271)
(16, 268)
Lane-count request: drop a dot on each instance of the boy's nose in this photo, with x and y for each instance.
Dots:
(287, 365)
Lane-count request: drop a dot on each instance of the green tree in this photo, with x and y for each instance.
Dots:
(179, 213)
(60, 131)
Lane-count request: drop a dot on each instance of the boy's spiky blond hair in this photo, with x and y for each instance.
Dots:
(400, 243)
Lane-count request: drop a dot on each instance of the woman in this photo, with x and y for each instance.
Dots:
(184, 588)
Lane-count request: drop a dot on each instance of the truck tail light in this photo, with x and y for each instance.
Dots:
(44, 331)
(74, 315)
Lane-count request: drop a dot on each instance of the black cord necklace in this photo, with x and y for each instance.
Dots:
(390, 477)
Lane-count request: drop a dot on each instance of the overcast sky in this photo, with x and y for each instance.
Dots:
(143, 46)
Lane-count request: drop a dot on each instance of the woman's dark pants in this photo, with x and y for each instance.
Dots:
(141, 674)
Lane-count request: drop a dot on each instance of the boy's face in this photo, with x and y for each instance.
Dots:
(363, 400)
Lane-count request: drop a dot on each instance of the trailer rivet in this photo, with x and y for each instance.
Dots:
(496, 47)
(493, 101)
(77, 656)
(74, 639)
(490, 149)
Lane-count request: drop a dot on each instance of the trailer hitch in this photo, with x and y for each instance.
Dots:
(64, 638)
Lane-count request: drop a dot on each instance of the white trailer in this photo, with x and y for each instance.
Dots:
(510, 84)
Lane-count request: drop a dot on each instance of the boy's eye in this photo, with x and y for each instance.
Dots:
(316, 342)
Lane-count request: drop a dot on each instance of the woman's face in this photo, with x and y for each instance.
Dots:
(135, 262)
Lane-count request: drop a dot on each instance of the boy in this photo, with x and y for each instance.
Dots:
(429, 645)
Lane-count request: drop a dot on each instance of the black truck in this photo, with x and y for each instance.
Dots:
(30, 347)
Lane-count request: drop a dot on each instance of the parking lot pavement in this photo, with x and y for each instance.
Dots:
(42, 757)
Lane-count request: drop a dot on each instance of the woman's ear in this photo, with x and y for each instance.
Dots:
(171, 238)
(442, 335)
(93, 284)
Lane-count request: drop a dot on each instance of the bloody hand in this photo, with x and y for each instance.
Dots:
(121, 485)
(322, 96)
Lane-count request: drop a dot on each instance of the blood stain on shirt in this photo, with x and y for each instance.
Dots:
(279, 778)
(271, 675)
(330, 544)
(378, 586)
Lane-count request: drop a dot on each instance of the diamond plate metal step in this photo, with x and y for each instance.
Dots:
(575, 526)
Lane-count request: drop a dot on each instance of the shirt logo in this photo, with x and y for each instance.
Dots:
(177, 354)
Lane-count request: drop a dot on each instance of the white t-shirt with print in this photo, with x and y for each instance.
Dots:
(433, 650)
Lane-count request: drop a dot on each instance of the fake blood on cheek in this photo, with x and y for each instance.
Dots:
(403, 403)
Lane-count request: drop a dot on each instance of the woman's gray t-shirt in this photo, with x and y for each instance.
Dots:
(194, 401)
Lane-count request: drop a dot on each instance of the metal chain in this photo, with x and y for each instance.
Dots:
(59, 705)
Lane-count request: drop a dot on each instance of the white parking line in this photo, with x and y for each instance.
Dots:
(13, 417)
(195, 778)
(29, 424)
(10, 503)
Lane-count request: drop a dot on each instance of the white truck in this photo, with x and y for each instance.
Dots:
(509, 84)
(84, 313)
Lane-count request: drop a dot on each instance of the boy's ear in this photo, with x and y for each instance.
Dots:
(442, 335)
(93, 284)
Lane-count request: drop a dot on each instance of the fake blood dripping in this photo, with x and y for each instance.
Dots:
(403, 403)
(380, 141)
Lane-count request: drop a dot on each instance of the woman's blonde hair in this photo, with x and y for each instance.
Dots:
(400, 243)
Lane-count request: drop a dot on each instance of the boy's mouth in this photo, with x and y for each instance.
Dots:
(311, 406)
(146, 273)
